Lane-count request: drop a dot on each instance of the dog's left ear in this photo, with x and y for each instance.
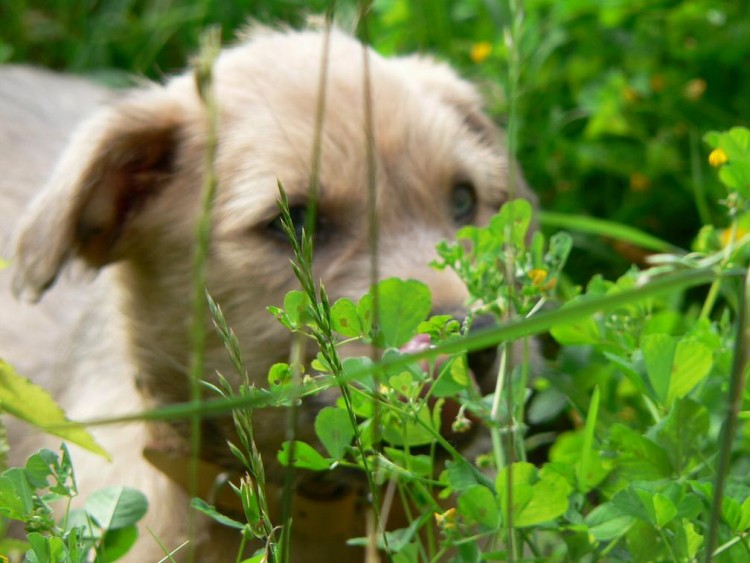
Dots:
(114, 165)
(439, 79)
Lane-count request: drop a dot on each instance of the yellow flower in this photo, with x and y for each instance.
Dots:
(726, 235)
(537, 276)
(717, 157)
(480, 51)
(447, 519)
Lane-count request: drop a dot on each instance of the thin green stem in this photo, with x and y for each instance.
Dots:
(211, 42)
(734, 400)
(500, 460)
(731, 543)
(296, 359)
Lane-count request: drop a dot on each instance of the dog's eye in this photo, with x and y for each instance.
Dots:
(463, 203)
(298, 215)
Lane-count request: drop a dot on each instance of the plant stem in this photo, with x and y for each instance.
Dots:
(734, 400)
(210, 44)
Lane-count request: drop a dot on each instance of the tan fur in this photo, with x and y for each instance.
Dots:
(122, 200)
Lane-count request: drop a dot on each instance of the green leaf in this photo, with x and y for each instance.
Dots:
(305, 457)
(79, 519)
(202, 506)
(47, 549)
(636, 502)
(567, 450)
(658, 355)
(452, 378)
(345, 318)
(736, 143)
(117, 543)
(537, 496)
(400, 539)
(404, 384)
(578, 333)
(44, 464)
(644, 543)
(296, 307)
(418, 429)
(362, 365)
(736, 175)
(655, 503)
(587, 467)
(664, 510)
(116, 507)
(23, 399)
(279, 375)
(16, 494)
(402, 306)
(607, 522)
(460, 475)
(731, 512)
(416, 463)
(478, 504)
(439, 327)
(682, 432)
(744, 522)
(689, 541)
(638, 457)
(712, 138)
(364, 312)
(39, 468)
(692, 363)
(675, 366)
(516, 214)
(334, 430)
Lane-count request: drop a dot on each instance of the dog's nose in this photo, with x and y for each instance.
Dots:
(483, 362)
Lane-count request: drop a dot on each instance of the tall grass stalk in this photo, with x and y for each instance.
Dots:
(210, 46)
(375, 525)
(734, 404)
(511, 30)
(665, 285)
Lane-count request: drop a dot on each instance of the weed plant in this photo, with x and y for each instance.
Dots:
(653, 468)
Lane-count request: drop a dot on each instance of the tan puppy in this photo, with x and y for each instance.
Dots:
(122, 199)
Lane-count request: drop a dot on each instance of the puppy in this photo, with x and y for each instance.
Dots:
(115, 180)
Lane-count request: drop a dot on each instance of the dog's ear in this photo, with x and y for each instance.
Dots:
(115, 163)
(439, 79)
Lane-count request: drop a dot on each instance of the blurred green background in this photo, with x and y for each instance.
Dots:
(614, 96)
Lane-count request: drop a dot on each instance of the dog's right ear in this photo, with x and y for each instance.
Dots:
(115, 163)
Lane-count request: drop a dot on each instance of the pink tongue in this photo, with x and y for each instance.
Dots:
(419, 342)
(450, 408)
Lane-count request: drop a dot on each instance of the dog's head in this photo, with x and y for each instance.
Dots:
(127, 192)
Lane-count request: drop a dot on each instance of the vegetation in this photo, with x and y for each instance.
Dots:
(608, 107)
